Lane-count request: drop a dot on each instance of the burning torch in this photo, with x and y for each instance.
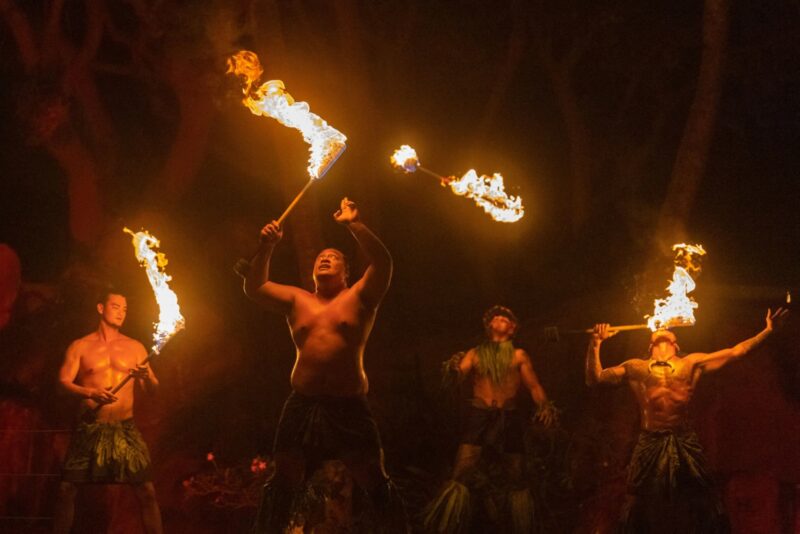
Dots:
(271, 99)
(487, 192)
(676, 310)
(170, 320)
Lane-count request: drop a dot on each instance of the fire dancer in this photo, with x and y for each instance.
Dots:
(499, 370)
(106, 447)
(327, 416)
(669, 487)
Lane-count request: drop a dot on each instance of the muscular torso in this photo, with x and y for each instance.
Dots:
(103, 364)
(330, 337)
(497, 394)
(663, 391)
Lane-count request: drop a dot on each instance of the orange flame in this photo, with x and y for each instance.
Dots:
(272, 100)
(170, 320)
(405, 159)
(488, 193)
(678, 308)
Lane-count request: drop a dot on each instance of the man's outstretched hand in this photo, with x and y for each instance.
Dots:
(775, 320)
(271, 233)
(347, 212)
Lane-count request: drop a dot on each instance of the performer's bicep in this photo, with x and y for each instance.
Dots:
(613, 375)
(373, 285)
(467, 362)
(278, 297)
(71, 365)
(711, 361)
(529, 376)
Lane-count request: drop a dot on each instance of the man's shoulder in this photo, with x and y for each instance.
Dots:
(634, 364)
(84, 340)
(130, 342)
(521, 355)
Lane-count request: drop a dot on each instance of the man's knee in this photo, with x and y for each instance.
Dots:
(467, 458)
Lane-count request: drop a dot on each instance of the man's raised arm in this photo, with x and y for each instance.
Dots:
(595, 374)
(257, 285)
(715, 360)
(373, 285)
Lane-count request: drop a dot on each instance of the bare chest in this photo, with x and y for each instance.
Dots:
(103, 358)
(342, 315)
(673, 378)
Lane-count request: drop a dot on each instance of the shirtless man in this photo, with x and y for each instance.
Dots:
(669, 488)
(498, 372)
(327, 415)
(92, 365)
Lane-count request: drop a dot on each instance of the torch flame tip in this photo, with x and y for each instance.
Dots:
(272, 100)
(170, 320)
(677, 309)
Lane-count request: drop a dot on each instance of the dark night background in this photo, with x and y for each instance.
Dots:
(122, 116)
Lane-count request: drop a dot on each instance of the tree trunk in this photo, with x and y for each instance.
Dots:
(692, 157)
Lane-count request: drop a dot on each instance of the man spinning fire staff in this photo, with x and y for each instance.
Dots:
(669, 487)
(106, 447)
(327, 416)
(498, 371)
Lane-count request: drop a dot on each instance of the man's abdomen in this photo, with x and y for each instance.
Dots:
(342, 376)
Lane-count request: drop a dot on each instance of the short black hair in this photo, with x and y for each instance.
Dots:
(105, 292)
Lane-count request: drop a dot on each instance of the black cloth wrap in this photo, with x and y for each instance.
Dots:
(669, 487)
(501, 427)
(327, 427)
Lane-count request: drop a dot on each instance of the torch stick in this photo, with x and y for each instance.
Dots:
(128, 378)
(294, 202)
(553, 333)
(435, 175)
(89, 415)
(242, 266)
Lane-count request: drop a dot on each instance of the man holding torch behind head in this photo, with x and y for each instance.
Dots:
(106, 447)
(498, 371)
(327, 416)
(669, 487)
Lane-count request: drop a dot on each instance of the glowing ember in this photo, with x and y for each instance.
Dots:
(678, 308)
(488, 193)
(405, 158)
(272, 100)
(170, 320)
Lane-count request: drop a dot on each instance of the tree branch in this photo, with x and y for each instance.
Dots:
(20, 28)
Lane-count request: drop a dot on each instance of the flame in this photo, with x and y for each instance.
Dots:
(488, 193)
(405, 158)
(170, 320)
(272, 100)
(678, 308)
